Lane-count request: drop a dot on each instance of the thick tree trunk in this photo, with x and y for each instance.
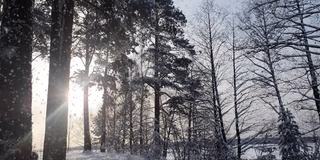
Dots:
(15, 79)
(156, 134)
(157, 96)
(57, 103)
(86, 125)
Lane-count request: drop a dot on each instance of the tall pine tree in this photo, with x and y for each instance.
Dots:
(165, 28)
(57, 103)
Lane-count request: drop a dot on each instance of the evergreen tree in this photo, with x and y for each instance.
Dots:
(165, 27)
(291, 144)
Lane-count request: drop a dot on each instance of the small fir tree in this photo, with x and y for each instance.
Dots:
(291, 145)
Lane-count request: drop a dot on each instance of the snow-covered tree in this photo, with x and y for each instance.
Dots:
(291, 144)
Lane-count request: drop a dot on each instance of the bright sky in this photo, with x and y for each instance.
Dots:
(40, 81)
(189, 7)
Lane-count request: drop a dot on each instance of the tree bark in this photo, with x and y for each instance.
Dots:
(103, 135)
(157, 96)
(86, 124)
(131, 137)
(57, 103)
(15, 79)
(104, 107)
(124, 128)
(235, 97)
(142, 96)
(270, 65)
(157, 139)
(86, 128)
(312, 69)
(141, 147)
(220, 136)
(114, 128)
(189, 132)
(216, 101)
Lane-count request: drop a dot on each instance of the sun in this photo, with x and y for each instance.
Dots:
(76, 99)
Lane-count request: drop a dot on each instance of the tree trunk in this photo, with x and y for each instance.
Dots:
(216, 101)
(270, 65)
(312, 69)
(57, 103)
(219, 107)
(157, 139)
(103, 135)
(275, 82)
(124, 123)
(141, 147)
(131, 137)
(114, 128)
(142, 96)
(157, 96)
(189, 132)
(220, 136)
(86, 124)
(104, 107)
(235, 98)
(15, 79)
(167, 132)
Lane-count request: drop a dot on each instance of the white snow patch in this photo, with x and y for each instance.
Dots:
(96, 155)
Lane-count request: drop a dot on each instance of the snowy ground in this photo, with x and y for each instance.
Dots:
(96, 155)
(79, 155)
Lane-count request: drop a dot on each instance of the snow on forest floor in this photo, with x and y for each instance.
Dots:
(96, 155)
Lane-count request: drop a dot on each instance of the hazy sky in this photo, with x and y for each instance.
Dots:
(189, 7)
